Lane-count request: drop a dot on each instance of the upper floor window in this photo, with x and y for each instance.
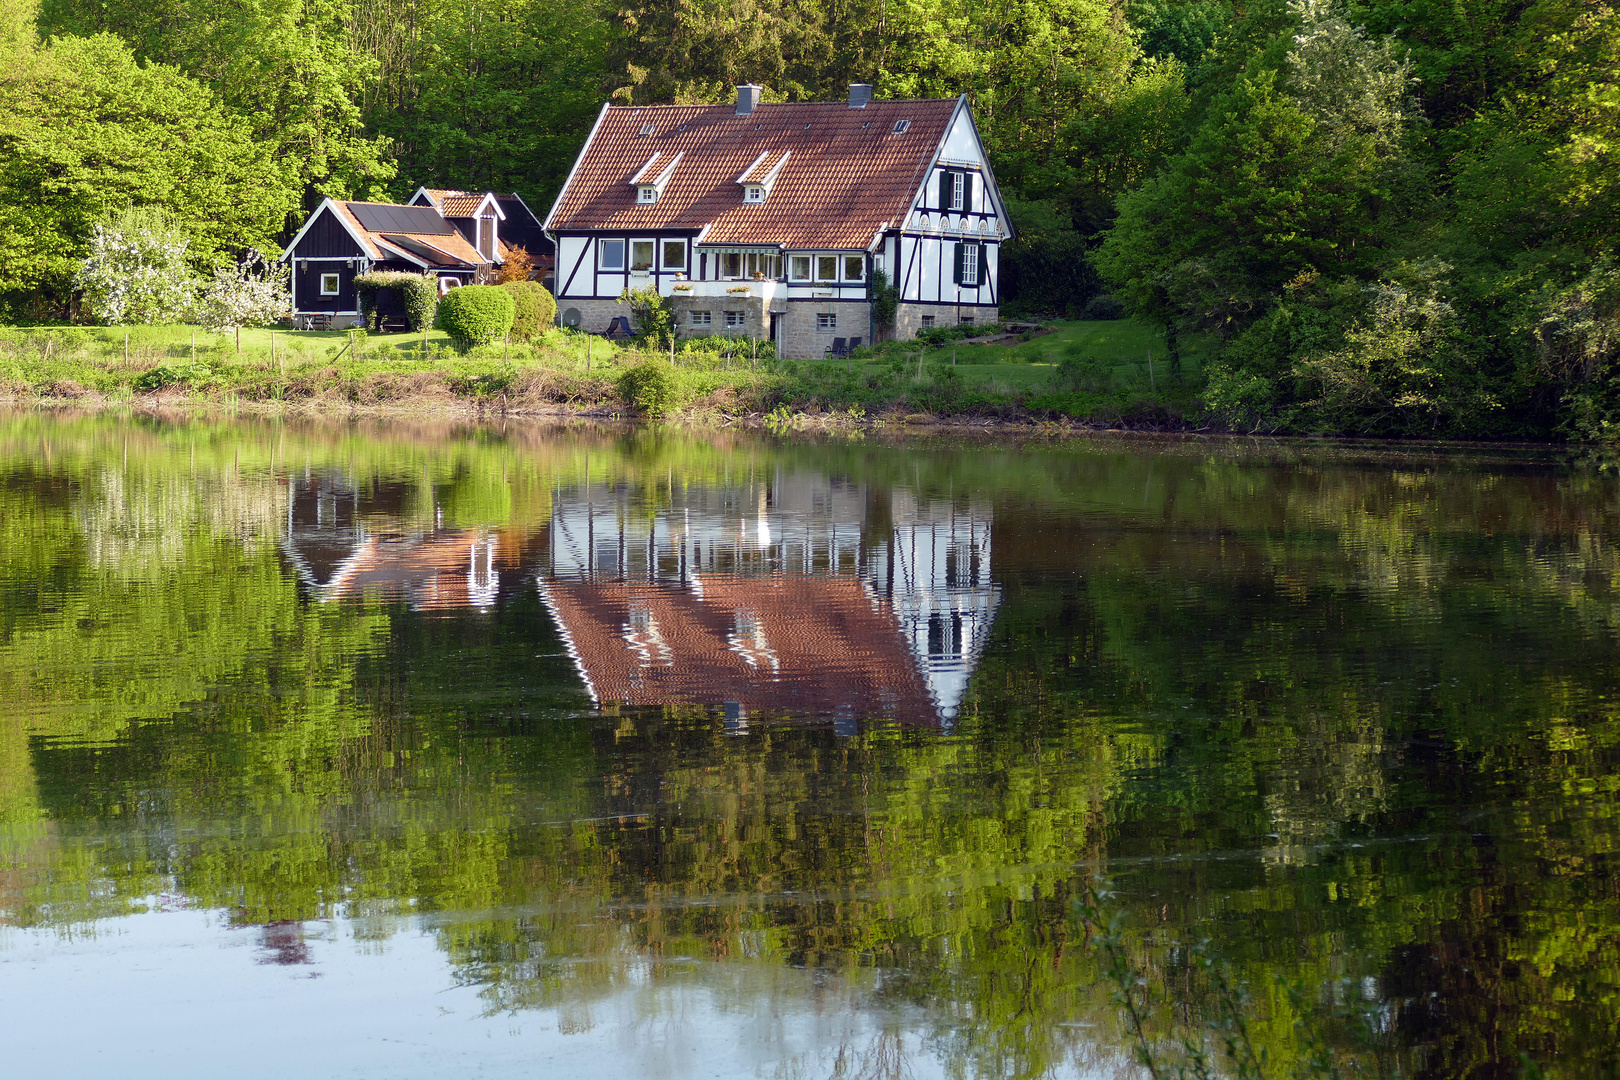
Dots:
(641, 255)
(854, 268)
(799, 268)
(753, 193)
(674, 255)
(612, 255)
(826, 268)
(646, 193)
(956, 191)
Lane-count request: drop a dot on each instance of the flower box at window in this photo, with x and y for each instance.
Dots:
(329, 285)
(641, 255)
(734, 319)
(612, 257)
(674, 252)
(700, 318)
(826, 320)
(682, 286)
(739, 290)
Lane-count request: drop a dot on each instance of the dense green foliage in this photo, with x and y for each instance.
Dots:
(534, 311)
(475, 314)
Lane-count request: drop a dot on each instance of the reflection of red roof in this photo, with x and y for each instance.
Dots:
(789, 644)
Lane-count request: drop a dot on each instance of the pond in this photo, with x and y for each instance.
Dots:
(397, 749)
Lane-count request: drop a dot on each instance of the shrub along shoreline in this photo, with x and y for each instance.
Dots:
(1076, 374)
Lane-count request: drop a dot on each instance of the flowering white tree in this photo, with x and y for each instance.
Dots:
(136, 271)
(254, 292)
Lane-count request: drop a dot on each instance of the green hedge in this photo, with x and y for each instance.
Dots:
(475, 314)
(418, 295)
(535, 308)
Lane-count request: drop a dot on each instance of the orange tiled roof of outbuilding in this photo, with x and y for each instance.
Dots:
(848, 171)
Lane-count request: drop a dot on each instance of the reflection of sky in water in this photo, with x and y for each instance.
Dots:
(179, 994)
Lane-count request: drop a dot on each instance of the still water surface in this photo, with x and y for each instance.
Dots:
(395, 750)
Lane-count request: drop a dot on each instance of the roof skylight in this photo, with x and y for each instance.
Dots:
(902, 126)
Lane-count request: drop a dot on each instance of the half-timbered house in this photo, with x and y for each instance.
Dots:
(769, 220)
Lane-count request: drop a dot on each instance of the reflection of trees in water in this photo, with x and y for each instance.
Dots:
(1346, 721)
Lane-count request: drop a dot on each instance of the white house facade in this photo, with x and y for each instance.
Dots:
(769, 221)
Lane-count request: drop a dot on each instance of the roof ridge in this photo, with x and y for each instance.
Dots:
(777, 104)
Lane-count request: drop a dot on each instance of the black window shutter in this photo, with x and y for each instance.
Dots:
(967, 193)
(959, 258)
(944, 189)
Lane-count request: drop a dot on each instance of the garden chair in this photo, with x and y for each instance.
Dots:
(838, 349)
(619, 329)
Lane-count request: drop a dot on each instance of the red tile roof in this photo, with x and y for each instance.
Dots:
(847, 174)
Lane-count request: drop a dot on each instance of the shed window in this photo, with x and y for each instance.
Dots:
(329, 285)
(826, 268)
(612, 255)
(735, 319)
(799, 268)
(701, 318)
(826, 320)
(641, 255)
(674, 254)
(854, 268)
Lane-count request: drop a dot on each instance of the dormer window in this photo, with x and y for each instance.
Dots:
(650, 179)
(758, 179)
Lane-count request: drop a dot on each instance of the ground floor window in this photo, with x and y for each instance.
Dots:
(329, 284)
(966, 320)
(927, 322)
(735, 319)
(826, 320)
(702, 318)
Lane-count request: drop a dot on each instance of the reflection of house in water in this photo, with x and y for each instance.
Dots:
(794, 595)
(345, 542)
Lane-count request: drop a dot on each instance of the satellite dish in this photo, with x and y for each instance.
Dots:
(571, 318)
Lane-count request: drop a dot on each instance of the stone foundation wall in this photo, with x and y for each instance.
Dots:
(594, 315)
(756, 319)
(908, 317)
(801, 340)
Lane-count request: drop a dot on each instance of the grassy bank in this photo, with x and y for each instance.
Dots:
(1093, 372)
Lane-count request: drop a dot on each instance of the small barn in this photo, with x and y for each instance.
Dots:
(341, 240)
(504, 218)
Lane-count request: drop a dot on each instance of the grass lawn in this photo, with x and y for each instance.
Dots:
(1094, 371)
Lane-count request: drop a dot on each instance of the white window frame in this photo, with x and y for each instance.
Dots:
(958, 189)
(753, 193)
(970, 266)
(826, 321)
(602, 255)
(858, 262)
(646, 194)
(726, 271)
(663, 254)
(700, 318)
(337, 284)
(652, 254)
(793, 266)
(819, 265)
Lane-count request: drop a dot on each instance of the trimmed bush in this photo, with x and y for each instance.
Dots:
(418, 294)
(652, 387)
(475, 314)
(1103, 308)
(535, 308)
